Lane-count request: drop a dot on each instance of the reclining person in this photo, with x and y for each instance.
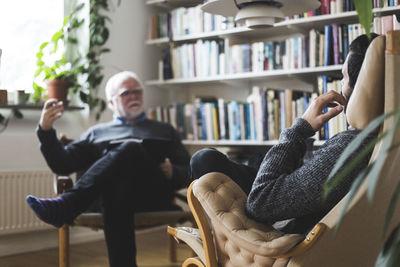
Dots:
(128, 177)
(285, 190)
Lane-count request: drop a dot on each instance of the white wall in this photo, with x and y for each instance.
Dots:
(128, 31)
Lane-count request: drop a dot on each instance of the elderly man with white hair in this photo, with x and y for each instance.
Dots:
(127, 175)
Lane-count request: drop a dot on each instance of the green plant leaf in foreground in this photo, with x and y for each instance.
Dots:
(338, 173)
(353, 190)
(364, 11)
(380, 159)
(391, 209)
(390, 254)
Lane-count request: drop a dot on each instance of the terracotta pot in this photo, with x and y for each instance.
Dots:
(58, 89)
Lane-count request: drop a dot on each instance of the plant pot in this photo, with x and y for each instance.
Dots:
(58, 89)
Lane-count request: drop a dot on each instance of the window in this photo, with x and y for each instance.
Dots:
(24, 26)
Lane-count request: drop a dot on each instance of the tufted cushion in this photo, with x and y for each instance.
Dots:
(366, 102)
(240, 241)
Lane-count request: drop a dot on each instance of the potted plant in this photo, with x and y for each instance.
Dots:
(58, 72)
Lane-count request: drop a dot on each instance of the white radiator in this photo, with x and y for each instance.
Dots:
(15, 214)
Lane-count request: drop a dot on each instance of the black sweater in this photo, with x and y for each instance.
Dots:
(94, 143)
(285, 188)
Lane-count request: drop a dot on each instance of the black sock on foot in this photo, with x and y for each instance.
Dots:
(54, 211)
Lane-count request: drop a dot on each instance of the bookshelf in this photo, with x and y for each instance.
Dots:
(35, 107)
(286, 27)
(247, 76)
(300, 79)
(170, 4)
(237, 143)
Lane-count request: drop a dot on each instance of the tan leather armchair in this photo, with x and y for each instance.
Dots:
(227, 237)
(93, 220)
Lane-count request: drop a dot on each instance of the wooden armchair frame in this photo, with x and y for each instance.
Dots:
(142, 220)
(208, 239)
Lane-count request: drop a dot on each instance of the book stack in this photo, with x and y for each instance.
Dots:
(159, 26)
(386, 23)
(185, 21)
(201, 59)
(339, 6)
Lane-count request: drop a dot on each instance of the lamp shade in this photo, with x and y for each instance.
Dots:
(258, 15)
(289, 7)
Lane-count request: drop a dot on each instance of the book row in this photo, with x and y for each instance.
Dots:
(185, 21)
(339, 6)
(207, 58)
(264, 114)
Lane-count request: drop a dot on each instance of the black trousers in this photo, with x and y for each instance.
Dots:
(127, 180)
(211, 160)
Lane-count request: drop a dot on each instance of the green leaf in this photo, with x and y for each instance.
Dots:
(353, 146)
(330, 185)
(37, 92)
(391, 208)
(37, 72)
(104, 50)
(364, 11)
(353, 190)
(43, 45)
(102, 105)
(79, 7)
(390, 254)
(84, 97)
(380, 159)
(72, 40)
(66, 19)
(57, 36)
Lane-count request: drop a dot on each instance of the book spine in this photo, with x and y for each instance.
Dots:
(215, 122)
(221, 114)
(345, 40)
(335, 39)
(340, 44)
(264, 114)
(327, 45)
(325, 5)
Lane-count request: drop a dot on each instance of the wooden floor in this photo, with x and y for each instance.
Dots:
(152, 252)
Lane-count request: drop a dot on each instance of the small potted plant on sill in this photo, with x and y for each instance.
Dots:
(54, 68)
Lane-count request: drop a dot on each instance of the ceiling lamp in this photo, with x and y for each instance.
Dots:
(259, 13)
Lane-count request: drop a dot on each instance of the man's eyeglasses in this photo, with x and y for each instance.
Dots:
(126, 93)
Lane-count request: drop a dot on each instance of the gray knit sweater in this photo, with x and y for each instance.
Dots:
(285, 188)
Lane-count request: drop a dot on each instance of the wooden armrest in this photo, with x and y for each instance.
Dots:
(62, 183)
(310, 239)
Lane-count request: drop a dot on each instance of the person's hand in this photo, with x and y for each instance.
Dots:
(52, 110)
(315, 115)
(166, 168)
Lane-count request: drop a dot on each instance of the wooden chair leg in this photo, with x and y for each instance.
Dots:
(172, 249)
(63, 246)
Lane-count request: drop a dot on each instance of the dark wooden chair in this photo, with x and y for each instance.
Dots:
(93, 220)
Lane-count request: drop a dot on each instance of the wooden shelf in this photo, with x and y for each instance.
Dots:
(287, 27)
(170, 4)
(247, 76)
(35, 107)
(158, 41)
(237, 143)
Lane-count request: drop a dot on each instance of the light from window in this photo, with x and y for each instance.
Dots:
(24, 26)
